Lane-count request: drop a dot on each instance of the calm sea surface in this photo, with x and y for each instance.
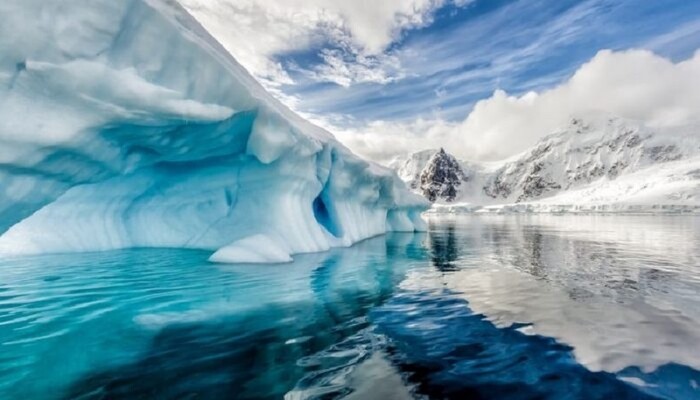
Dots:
(479, 307)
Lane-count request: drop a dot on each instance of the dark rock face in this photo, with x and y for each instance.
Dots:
(530, 176)
(441, 177)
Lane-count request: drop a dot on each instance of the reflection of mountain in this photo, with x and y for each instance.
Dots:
(443, 247)
(557, 253)
(624, 252)
(623, 291)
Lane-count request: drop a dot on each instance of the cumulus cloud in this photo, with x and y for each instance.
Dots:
(254, 31)
(635, 84)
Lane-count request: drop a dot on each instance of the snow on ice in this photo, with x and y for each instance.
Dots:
(125, 124)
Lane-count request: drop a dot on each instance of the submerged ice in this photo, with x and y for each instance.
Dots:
(125, 124)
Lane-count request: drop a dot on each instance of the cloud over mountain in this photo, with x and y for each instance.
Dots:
(634, 84)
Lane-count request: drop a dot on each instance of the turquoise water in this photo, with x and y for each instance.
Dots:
(513, 307)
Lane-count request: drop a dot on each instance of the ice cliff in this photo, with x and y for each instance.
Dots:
(125, 124)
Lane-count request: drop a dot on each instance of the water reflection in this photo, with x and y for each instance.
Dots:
(513, 307)
(444, 250)
(309, 340)
(449, 352)
(623, 291)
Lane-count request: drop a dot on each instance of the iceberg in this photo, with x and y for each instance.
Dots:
(125, 124)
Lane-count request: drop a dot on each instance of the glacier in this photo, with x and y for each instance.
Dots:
(125, 124)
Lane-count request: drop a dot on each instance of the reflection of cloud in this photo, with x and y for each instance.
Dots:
(621, 290)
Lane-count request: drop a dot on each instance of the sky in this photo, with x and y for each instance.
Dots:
(483, 78)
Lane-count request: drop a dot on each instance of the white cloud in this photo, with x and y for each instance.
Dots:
(383, 140)
(635, 84)
(254, 31)
(347, 67)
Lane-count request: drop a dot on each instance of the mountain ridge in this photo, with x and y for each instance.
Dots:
(610, 162)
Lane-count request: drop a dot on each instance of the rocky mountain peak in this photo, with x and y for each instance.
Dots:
(590, 152)
(441, 177)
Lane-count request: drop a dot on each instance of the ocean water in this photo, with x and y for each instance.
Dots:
(479, 307)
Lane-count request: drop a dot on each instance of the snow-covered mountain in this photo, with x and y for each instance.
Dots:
(598, 162)
(442, 177)
(435, 174)
(410, 168)
(125, 124)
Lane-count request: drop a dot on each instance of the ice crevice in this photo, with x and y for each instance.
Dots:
(130, 126)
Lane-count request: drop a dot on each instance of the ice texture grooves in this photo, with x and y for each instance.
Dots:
(125, 124)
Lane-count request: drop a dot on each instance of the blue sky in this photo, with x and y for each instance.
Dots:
(486, 78)
(468, 52)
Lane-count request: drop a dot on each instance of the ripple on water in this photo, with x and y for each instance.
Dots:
(493, 307)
